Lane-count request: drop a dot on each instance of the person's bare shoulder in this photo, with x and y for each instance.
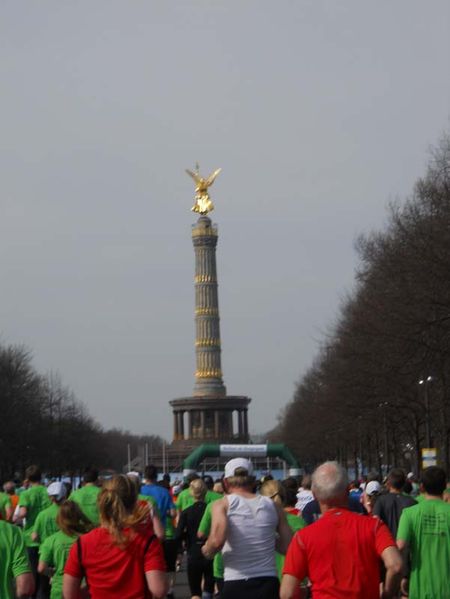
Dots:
(220, 506)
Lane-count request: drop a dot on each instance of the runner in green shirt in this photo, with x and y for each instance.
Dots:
(424, 530)
(45, 524)
(31, 502)
(14, 564)
(87, 496)
(5, 507)
(185, 499)
(204, 528)
(54, 551)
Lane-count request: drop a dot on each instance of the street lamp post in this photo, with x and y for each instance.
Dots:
(425, 383)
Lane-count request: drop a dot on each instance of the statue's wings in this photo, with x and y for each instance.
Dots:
(210, 180)
(195, 176)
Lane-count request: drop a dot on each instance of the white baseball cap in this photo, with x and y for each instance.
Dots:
(235, 463)
(373, 487)
(58, 490)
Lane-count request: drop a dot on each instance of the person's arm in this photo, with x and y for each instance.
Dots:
(157, 583)
(20, 565)
(289, 586)
(71, 586)
(284, 532)
(155, 570)
(180, 529)
(219, 525)
(204, 527)
(390, 555)
(393, 563)
(403, 537)
(158, 527)
(295, 568)
(24, 585)
(22, 512)
(9, 511)
(404, 550)
(44, 568)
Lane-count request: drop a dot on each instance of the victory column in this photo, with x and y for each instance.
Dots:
(208, 414)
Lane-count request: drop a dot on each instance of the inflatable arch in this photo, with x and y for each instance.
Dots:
(272, 450)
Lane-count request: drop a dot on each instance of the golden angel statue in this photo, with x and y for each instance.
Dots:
(203, 203)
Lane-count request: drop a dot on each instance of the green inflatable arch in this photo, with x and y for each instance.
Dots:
(272, 450)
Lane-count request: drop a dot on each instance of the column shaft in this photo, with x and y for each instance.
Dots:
(216, 424)
(175, 426)
(202, 424)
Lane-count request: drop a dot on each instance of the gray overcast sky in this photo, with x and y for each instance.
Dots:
(318, 112)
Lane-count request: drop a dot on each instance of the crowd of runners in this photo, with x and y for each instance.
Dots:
(239, 538)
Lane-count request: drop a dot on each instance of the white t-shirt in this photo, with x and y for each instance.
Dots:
(249, 551)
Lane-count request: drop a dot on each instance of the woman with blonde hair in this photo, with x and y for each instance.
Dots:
(122, 558)
(198, 567)
(54, 551)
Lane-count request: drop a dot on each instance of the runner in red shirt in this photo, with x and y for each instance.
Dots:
(340, 553)
(122, 559)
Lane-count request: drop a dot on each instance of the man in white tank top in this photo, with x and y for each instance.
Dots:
(247, 528)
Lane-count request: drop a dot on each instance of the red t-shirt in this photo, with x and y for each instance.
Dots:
(112, 572)
(340, 554)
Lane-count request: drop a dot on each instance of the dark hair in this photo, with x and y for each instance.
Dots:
(407, 487)
(33, 474)
(373, 475)
(290, 483)
(434, 480)
(290, 497)
(90, 475)
(151, 472)
(354, 484)
(209, 482)
(396, 478)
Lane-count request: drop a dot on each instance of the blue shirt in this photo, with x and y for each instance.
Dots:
(162, 498)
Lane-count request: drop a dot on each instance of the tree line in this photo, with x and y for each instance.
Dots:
(379, 389)
(42, 422)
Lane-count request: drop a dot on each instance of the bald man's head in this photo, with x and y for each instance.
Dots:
(330, 483)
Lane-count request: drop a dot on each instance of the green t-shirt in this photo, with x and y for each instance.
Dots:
(295, 523)
(5, 503)
(45, 523)
(205, 527)
(426, 528)
(185, 498)
(35, 499)
(13, 558)
(86, 497)
(54, 551)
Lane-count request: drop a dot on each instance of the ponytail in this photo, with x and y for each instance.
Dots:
(120, 509)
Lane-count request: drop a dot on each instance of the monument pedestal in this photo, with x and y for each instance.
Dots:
(198, 420)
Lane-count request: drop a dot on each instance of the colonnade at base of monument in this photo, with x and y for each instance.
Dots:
(198, 419)
(210, 424)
